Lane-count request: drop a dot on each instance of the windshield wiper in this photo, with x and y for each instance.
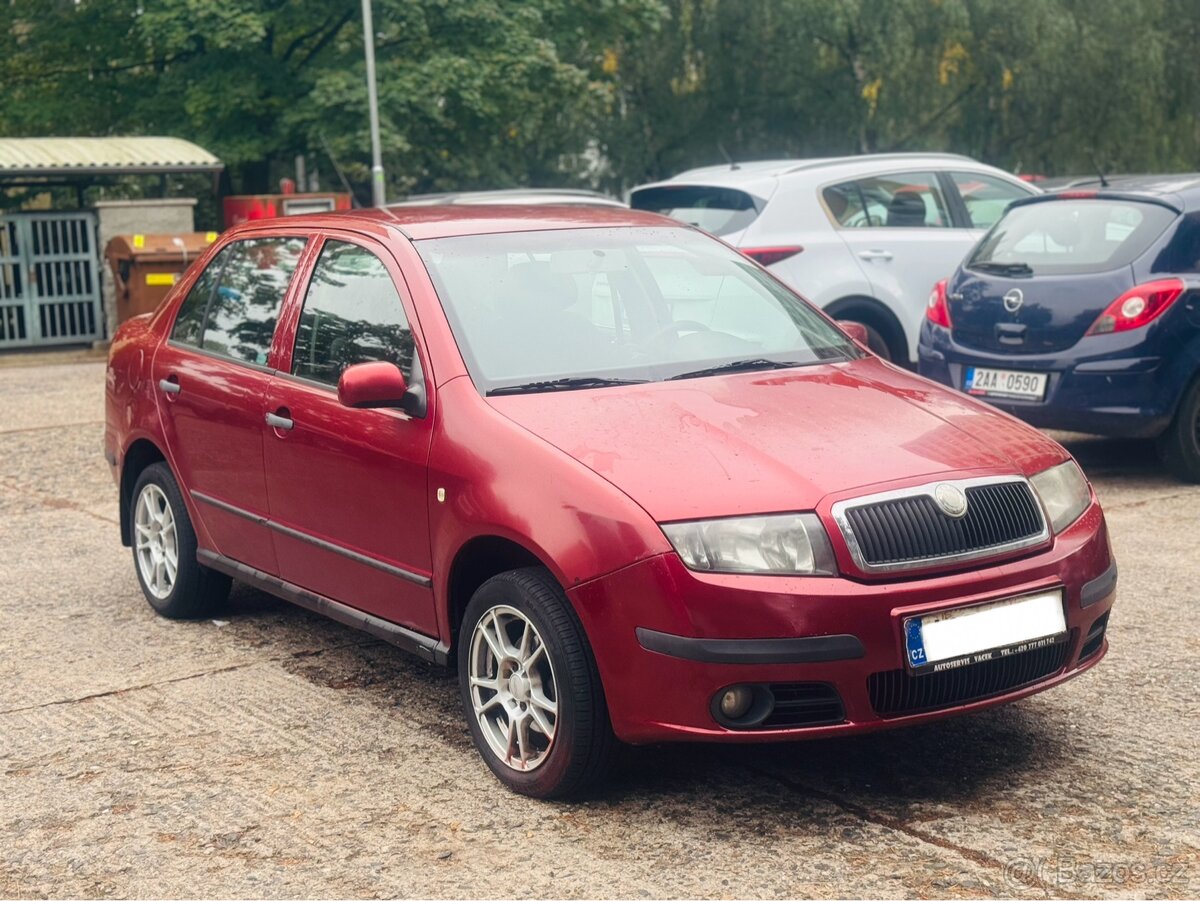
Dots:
(1002, 268)
(568, 384)
(736, 366)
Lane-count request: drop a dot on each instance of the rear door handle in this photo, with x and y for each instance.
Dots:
(169, 386)
(279, 422)
(884, 255)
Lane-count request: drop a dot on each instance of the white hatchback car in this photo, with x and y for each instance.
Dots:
(864, 237)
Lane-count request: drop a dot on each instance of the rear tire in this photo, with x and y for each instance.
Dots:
(885, 335)
(530, 688)
(164, 550)
(1179, 445)
(876, 342)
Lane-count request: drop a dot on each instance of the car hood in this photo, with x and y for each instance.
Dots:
(775, 441)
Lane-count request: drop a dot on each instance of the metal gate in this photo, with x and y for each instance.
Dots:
(49, 280)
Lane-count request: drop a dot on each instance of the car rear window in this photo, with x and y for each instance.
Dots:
(1071, 237)
(719, 211)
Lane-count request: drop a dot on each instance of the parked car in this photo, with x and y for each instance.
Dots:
(1081, 310)
(625, 480)
(539, 196)
(863, 237)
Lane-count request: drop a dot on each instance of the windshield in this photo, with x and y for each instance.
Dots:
(581, 308)
(1070, 237)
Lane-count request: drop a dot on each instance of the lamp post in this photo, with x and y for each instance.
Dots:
(377, 195)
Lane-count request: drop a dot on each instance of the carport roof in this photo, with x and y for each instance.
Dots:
(42, 157)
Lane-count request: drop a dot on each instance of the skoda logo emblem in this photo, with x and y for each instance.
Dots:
(951, 499)
(1013, 300)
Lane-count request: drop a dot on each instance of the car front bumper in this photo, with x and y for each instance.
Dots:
(667, 639)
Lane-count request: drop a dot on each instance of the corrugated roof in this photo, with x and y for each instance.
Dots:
(102, 156)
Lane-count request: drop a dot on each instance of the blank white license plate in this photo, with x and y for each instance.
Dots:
(953, 638)
(1005, 383)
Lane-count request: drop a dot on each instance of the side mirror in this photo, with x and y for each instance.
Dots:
(378, 384)
(857, 332)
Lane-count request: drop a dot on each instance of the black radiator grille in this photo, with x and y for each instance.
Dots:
(897, 692)
(912, 529)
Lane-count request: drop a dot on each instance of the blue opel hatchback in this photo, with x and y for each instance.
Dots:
(1081, 310)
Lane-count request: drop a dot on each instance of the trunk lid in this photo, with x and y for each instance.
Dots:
(1037, 315)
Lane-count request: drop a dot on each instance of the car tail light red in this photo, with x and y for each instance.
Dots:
(1138, 306)
(1077, 195)
(767, 256)
(937, 310)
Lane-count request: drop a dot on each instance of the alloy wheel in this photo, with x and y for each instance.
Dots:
(156, 541)
(513, 691)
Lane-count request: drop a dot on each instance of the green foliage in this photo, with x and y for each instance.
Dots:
(497, 93)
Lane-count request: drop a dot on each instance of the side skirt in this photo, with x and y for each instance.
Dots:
(423, 646)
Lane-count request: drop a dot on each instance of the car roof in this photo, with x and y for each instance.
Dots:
(740, 174)
(419, 222)
(1181, 186)
(512, 195)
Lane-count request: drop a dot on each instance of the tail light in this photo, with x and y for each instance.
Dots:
(937, 310)
(768, 256)
(1138, 306)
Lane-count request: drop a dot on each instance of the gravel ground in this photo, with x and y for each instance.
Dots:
(273, 753)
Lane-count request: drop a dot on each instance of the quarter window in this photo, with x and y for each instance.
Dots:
(189, 321)
(352, 314)
(903, 200)
(986, 198)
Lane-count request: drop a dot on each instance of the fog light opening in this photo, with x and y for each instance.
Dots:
(742, 706)
(736, 701)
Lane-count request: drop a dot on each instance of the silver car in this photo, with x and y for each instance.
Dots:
(864, 237)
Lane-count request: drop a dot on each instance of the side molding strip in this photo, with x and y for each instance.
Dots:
(423, 646)
(814, 649)
(398, 572)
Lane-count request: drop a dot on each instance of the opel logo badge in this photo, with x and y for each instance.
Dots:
(951, 499)
(1013, 300)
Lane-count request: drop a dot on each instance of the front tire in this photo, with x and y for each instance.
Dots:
(1180, 443)
(164, 550)
(530, 688)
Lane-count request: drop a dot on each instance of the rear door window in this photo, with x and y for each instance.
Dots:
(245, 306)
(1070, 237)
(719, 211)
(985, 198)
(902, 200)
(352, 314)
(234, 304)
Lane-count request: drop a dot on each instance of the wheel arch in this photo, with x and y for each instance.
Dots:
(880, 317)
(477, 560)
(141, 453)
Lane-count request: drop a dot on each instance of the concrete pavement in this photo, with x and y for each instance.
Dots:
(273, 753)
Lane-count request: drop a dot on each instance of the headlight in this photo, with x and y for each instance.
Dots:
(786, 544)
(1064, 493)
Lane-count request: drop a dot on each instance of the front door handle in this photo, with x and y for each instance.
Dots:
(169, 386)
(276, 421)
(884, 255)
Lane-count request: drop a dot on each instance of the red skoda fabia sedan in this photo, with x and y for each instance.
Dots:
(628, 483)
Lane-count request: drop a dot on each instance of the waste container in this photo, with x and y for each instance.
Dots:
(145, 267)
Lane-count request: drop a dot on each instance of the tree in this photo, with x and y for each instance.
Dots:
(472, 92)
